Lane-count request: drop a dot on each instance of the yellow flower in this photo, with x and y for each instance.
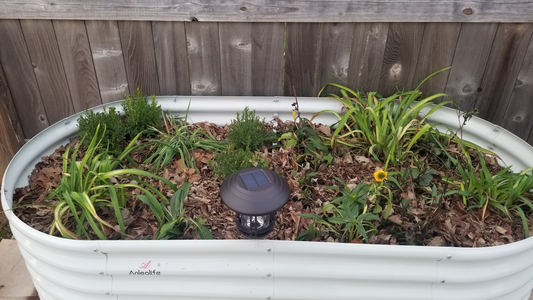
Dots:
(380, 175)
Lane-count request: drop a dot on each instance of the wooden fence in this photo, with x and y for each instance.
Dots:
(58, 58)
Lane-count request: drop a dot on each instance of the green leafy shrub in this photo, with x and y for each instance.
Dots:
(247, 132)
(115, 130)
(232, 160)
(141, 114)
(304, 136)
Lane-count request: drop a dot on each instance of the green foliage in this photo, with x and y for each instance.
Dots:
(345, 215)
(387, 127)
(304, 136)
(115, 129)
(247, 132)
(180, 139)
(5, 231)
(141, 114)
(504, 190)
(232, 160)
(86, 187)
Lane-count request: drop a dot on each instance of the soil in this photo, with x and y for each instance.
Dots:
(418, 221)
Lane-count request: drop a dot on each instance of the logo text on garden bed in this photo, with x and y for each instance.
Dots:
(144, 269)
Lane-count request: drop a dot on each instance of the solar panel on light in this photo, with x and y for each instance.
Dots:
(254, 180)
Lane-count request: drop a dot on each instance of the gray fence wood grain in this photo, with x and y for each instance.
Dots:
(78, 61)
(21, 78)
(273, 10)
(400, 57)
(139, 56)
(9, 119)
(366, 59)
(170, 46)
(267, 58)
(505, 60)
(108, 60)
(204, 58)
(236, 58)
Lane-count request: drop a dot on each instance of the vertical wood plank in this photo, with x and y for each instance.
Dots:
(16, 137)
(21, 78)
(204, 58)
(267, 58)
(139, 57)
(170, 46)
(48, 67)
(236, 58)
(333, 55)
(400, 57)
(78, 63)
(508, 51)
(469, 63)
(108, 59)
(11, 136)
(518, 118)
(366, 59)
(437, 52)
(300, 58)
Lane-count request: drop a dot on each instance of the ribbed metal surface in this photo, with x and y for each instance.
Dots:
(248, 269)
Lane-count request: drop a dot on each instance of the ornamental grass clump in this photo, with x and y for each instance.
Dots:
(388, 127)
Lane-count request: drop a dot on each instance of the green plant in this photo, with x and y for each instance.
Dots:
(345, 215)
(304, 136)
(5, 231)
(86, 186)
(231, 160)
(180, 139)
(141, 114)
(388, 127)
(116, 130)
(247, 132)
(504, 190)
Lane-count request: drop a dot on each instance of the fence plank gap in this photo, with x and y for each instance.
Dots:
(400, 57)
(78, 63)
(170, 46)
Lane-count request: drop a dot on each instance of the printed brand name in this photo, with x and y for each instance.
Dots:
(149, 272)
(144, 266)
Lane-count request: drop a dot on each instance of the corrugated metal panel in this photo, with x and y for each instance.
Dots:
(66, 269)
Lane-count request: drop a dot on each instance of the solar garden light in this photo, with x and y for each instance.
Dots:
(255, 194)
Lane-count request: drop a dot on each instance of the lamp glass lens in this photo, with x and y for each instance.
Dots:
(255, 223)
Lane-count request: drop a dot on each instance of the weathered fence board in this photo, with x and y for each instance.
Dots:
(400, 57)
(236, 58)
(77, 60)
(139, 56)
(507, 54)
(368, 48)
(267, 58)
(108, 59)
(437, 51)
(48, 67)
(273, 10)
(21, 78)
(300, 58)
(333, 59)
(469, 62)
(518, 117)
(170, 46)
(204, 58)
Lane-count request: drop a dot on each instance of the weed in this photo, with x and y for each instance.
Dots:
(115, 132)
